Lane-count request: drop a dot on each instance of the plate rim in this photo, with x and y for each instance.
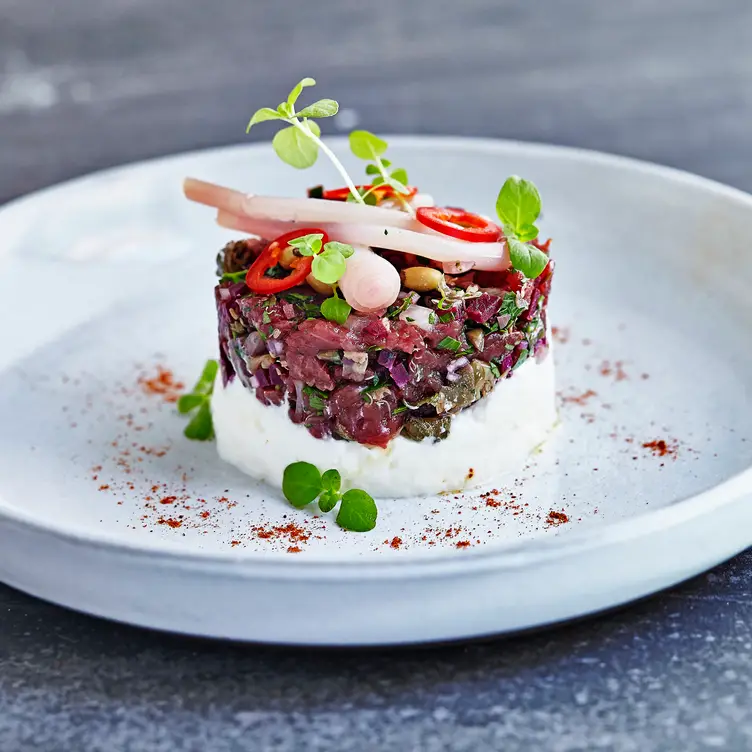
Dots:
(499, 556)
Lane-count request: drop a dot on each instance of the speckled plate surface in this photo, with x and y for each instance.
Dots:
(106, 302)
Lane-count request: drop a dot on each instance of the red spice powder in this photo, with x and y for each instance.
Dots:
(234, 543)
(662, 448)
(204, 515)
(462, 544)
(291, 532)
(396, 542)
(168, 500)
(171, 521)
(104, 487)
(163, 383)
(294, 549)
(554, 518)
(580, 399)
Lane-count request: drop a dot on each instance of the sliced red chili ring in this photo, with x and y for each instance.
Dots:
(458, 223)
(257, 278)
(381, 191)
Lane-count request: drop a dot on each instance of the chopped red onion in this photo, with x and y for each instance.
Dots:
(503, 321)
(275, 347)
(253, 344)
(354, 366)
(275, 377)
(455, 366)
(386, 358)
(289, 310)
(260, 378)
(400, 376)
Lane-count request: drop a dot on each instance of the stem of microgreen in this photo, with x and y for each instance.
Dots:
(329, 153)
(384, 174)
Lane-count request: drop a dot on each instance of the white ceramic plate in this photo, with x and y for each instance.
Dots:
(105, 279)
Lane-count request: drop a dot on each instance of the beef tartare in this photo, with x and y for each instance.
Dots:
(365, 328)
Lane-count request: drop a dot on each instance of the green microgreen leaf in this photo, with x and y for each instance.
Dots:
(331, 480)
(285, 110)
(366, 145)
(307, 245)
(518, 206)
(336, 309)
(357, 511)
(526, 258)
(301, 483)
(265, 113)
(345, 249)
(449, 343)
(371, 169)
(322, 108)
(328, 267)
(292, 97)
(189, 402)
(328, 500)
(399, 175)
(205, 383)
(293, 147)
(201, 427)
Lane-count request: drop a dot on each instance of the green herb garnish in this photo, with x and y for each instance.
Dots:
(329, 260)
(450, 343)
(518, 206)
(234, 276)
(200, 427)
(495, 369)
(366, 145)
(511, 308)
(316, 398)
(335, 309)
(299, 144)
(302, 483)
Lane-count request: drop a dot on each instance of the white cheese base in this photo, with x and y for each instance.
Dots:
(494, 436)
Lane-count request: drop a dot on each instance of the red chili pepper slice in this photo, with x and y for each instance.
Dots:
(257, 278)
(381, 191)
(458, 223)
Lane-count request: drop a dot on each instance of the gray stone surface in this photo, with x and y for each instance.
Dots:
(87, 85)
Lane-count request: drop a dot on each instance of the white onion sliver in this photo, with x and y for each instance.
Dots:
(370, 283)
(419, 315)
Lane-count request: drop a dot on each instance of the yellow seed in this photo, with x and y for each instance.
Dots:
(287, 257)
(319, 286)
(422, 278)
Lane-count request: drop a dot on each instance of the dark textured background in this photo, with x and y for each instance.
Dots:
(85, 85)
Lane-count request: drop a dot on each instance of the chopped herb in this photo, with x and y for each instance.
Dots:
(396, 309)
(316, 398)
(303, 483)
(276, 272)
(495, 369)
(266, 318)
(445, 318)
(295, 297)
(399, 410)
(449, 343)
(432, 318)
(234, 276)
(511, 308)
(524, 355)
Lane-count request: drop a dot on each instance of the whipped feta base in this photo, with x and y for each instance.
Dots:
(492, 437)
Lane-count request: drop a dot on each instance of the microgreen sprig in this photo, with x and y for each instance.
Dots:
(299, 144)
(303, 483)
(366, 145)
(518, 206)
(198, 401)
(329, 259)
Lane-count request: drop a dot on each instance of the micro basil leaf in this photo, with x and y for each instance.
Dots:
(329, 266)
(357, 511)
(322, 108)
(189, 402)
(331, 480)
(366, 145)
(301, 483)
(297, 90)
(308, 245)
(527, 259)
(201, 427)
(328, 500)
(345, 249)
(371, 169)
(335, 309)
(518, 206)
(260, 116)
(295, 148)
(400, 175)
